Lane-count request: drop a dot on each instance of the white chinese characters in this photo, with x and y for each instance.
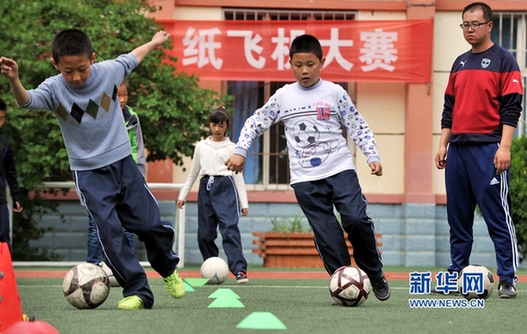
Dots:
(378, 51)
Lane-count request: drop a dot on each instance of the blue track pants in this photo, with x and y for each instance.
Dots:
(117, 196)
(471, 179)
(342, 191)
(218, 206)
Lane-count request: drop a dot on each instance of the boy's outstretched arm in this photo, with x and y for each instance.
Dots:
(9, 68)
(141, 51)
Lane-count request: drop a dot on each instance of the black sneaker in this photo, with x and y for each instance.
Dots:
(381, 288)
(241, 277)
(506, 290)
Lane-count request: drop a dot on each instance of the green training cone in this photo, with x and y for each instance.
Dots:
(224, 302)
(197, 281)
(223, 292)
(188, 288)
(261, 320)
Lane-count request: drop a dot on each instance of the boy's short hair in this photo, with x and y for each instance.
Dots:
(306, 44)
(3, 105)
(71, 42)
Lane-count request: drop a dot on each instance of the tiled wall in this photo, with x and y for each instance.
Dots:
(413, 235)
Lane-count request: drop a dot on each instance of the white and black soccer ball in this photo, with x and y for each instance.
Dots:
(349, 286)
(488, 282)
(215, 269)
(306, 133)
(86, 285)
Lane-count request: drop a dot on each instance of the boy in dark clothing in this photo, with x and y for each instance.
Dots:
(7, 179)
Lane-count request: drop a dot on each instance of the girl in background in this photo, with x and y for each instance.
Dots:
(220, 196)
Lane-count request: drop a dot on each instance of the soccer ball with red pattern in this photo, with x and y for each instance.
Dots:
(349, 286)
(86, 285)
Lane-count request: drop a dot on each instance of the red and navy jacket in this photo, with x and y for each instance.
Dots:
(484, 91)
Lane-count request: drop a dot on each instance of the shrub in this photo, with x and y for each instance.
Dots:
(518, 191)
(291, 225)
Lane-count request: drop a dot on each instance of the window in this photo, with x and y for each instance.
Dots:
(510, 31)
(267, 164)
(245, 14)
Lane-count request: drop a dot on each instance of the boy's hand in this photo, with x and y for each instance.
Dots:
(180, 204)
(17, 207)
(160, 37)
(376, 168)
(9, 68)
(141, 51)
(245, 212)
(235, 163)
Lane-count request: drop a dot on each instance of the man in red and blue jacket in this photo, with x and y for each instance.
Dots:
(482, 106)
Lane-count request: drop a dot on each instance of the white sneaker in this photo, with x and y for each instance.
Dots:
(111, 277)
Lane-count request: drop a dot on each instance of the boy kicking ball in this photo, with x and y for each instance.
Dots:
(323, 175)
(83, 98)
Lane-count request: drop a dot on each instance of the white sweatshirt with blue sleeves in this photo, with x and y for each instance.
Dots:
(89, 116)
(313, 118)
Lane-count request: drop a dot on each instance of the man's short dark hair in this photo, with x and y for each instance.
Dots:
(487, 11)
(306, 44)
(71, 42)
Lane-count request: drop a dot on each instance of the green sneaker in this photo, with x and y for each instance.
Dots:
(175, 285)
(131, 303)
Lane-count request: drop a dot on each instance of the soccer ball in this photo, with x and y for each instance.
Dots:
(488, 282)
(306, 133)
(111, 277)
(215, 269)
(349, 286)
(86, 285)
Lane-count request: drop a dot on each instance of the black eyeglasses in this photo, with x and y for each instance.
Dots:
(473, 25)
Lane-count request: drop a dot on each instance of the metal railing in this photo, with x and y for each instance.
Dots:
(179, 217)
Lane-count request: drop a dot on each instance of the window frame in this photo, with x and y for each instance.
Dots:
(516, 43)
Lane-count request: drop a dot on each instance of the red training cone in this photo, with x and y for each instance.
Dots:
(33, 327)
(10, 307)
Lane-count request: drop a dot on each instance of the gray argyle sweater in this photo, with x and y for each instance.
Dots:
(89, 116)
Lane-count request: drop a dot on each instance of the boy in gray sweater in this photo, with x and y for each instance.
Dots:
(84, 100)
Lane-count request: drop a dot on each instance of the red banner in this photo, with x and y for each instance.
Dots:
(359, 51)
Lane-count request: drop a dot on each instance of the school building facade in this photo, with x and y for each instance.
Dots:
(403, 109)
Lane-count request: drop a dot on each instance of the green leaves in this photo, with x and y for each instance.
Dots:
(518, 191)
(290, 225)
